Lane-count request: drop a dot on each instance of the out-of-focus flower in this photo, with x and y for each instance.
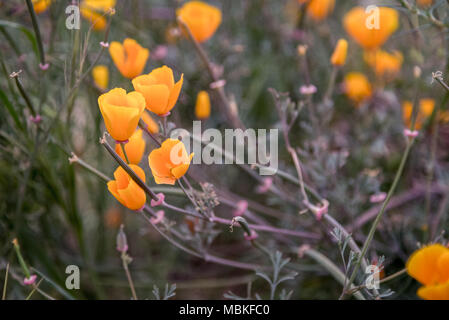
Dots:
(366, 30)
(424, 3)
(125, 190)
(113, 217)
(100, 74)
(129, 58)
(384, 63)
(201, 18)
(152, 125)
(202, 106)
(172, 34)
(339, 56)
(159, 89)
(318, 9)
(425, 110)
(160, 52)
(169, 162)
(121, 112)
(357, 87)
(41, 5)
(134, 148)
(430, 266)
(94, 11)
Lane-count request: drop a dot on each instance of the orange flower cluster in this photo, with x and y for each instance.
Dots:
(430, 266)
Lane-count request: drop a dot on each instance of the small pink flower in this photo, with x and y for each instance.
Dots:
(321, 212)
(160, 52)
(104, 44)
(37, 119)
(410, 133)
(123, 249)
(29, 281)
(266, 185)
(308, 90)
(161, 198)
(159, 217)
(44, 66)
(217, 84)
(253, 236)
(378, 197)
(242, 206)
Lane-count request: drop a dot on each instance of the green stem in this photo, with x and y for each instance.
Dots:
(36, 31)
(122, 145)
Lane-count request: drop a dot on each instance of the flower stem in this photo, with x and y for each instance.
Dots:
(124, 152)
(36, 31)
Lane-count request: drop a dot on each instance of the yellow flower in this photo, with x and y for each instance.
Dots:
(169, 162)
(121, 112)
(363, 28)
(134, 148)
(357, 87)
(202, 106)
(152, 125)
(319, 9)
(125, 190)
(339, 56)
(129, 58)
(41, 5)
(94, 11)
(100, 74)
(426, 107)
(159, 89)
(384, 63)
(430, 266)
(201, 18)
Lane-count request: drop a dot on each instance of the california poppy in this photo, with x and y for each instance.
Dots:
(125, 190)
(134, 148)
(129, 58)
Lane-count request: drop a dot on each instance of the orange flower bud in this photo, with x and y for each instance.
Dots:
(159, 89)
(94, 10)
(430, 266)
(169, 162)
(357, 87)
(201, 18)
(202, 106)
(100, 74)
(384, 63)
(152, 125)
(121, 112)
(41, 5)
(125, 190)
(134, 148)
(319, 9)
(129, 58)
(339, 56)
(367, 30)
(426, 107)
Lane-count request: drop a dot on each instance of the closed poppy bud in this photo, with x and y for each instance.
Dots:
(202, 106)
(319, 9)
(152, 125)
(134, 148)
(169, 162)
(125, 190)
(384, 63)
(339, 56)
(41, 5)
(129, 58)
(159, 89)
(201, 18)
(369, 30)
(357, 87)
(94, 11)
(121, 112)
(100, 74)
(430, 266)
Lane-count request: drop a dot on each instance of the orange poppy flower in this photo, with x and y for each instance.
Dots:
(134, 148)
(339, 56)
(41, 5)
(357, 87)
(367, 30)
(121, 112)
(159, 89)
(169, 162)
(94, 11)
(201, 18)
(129, 58)
(426, 107)
(202, 106)
(100, 74)
(319, 9)
(152, 125)
(125, 190)
(430, 266)
(384, 63)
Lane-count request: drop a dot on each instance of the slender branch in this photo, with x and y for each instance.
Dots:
(36, 31)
